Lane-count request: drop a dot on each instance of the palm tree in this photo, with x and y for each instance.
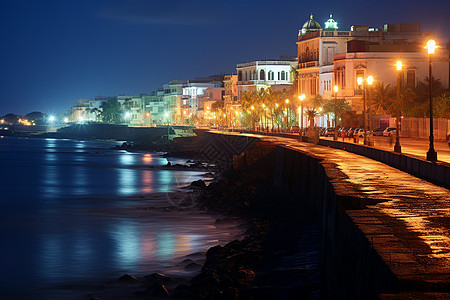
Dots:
(380, 98)
(423, 89)
(397, 105)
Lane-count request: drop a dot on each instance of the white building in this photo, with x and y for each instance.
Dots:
(259, 74)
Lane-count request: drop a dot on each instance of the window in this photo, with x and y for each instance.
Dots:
(262, 75)
(283, 75)
(411, 78)
(270, 75)
(240, 76)
(278, 75)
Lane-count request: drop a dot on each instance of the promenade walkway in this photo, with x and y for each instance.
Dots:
(410, 228)
(411, 146)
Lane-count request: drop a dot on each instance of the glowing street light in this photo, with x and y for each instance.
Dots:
(431, 46)
(301, 98)
(397, 147)
(335, 89)
(287, 115)
(51, 118)
(369, 80)
(66, 120)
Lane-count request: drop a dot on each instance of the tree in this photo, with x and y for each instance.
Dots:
(36, 117)
(11, 118)
(312, 106)
(397, 105)
(380, 98)
(111, 111)
(341, 106)
(423, 89)
(441, 107)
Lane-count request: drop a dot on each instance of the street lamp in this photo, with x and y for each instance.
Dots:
(369, 80)
(278, 124)
(301, 98)
(262, 120)
(251, 117)
(335, 89)
(431, 154)
(287, 115)
(397, 147)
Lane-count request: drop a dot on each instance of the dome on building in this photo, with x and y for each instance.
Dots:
(310, 26)
(331, 24)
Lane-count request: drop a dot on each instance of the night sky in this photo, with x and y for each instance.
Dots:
(55, 52)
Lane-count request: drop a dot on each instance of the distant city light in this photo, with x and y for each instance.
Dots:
(127, 114)
(166, 114)
(66, 120)
(51, 118)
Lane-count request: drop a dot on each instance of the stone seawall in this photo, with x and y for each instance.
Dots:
(351, 268)
(384, 233)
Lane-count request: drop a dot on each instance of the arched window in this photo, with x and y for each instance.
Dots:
(270, 75)
(307, 54)
(283, 75)
(262, 75)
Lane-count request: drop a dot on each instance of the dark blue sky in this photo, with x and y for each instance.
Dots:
(55, 52)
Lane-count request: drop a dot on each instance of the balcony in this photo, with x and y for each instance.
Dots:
(309, 64)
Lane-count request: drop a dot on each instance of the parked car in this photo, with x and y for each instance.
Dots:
(389, 131)
(378, 132)
(359, 132)
(351, 131)
(343, 131)
(329, 131)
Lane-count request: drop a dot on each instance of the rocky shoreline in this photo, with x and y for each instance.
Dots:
(248, 268)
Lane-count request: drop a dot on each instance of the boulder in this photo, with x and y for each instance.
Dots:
(127, 278)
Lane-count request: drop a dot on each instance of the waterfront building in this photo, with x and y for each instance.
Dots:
(255, 75)
(329, 56)
(87, 110)
(155, 111)
(173, 102)
(206, 102)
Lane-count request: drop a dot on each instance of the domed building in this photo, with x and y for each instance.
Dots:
(310, 26)
(331, 24)
(329, 56)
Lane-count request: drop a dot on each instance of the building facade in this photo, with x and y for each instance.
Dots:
(253, 76)
(329, 56)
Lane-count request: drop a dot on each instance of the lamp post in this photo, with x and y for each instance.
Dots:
(301, 98)
(431, 154)
(369, 80)
(287, 115)
(397, 147)
(335, 89)
(263, 114)
(278, 124)
(251, 117)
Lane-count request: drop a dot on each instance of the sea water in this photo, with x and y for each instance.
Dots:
(78, 212)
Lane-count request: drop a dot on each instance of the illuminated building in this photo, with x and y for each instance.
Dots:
(329, 56)
(255, 75)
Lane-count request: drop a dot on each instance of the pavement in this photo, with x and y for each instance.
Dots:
(411, 146)
(410, 227)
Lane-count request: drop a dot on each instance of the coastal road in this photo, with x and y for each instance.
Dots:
(413, 146)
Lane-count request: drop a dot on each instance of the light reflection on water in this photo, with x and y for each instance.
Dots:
(72, 212)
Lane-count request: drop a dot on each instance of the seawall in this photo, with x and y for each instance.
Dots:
(375, 233)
